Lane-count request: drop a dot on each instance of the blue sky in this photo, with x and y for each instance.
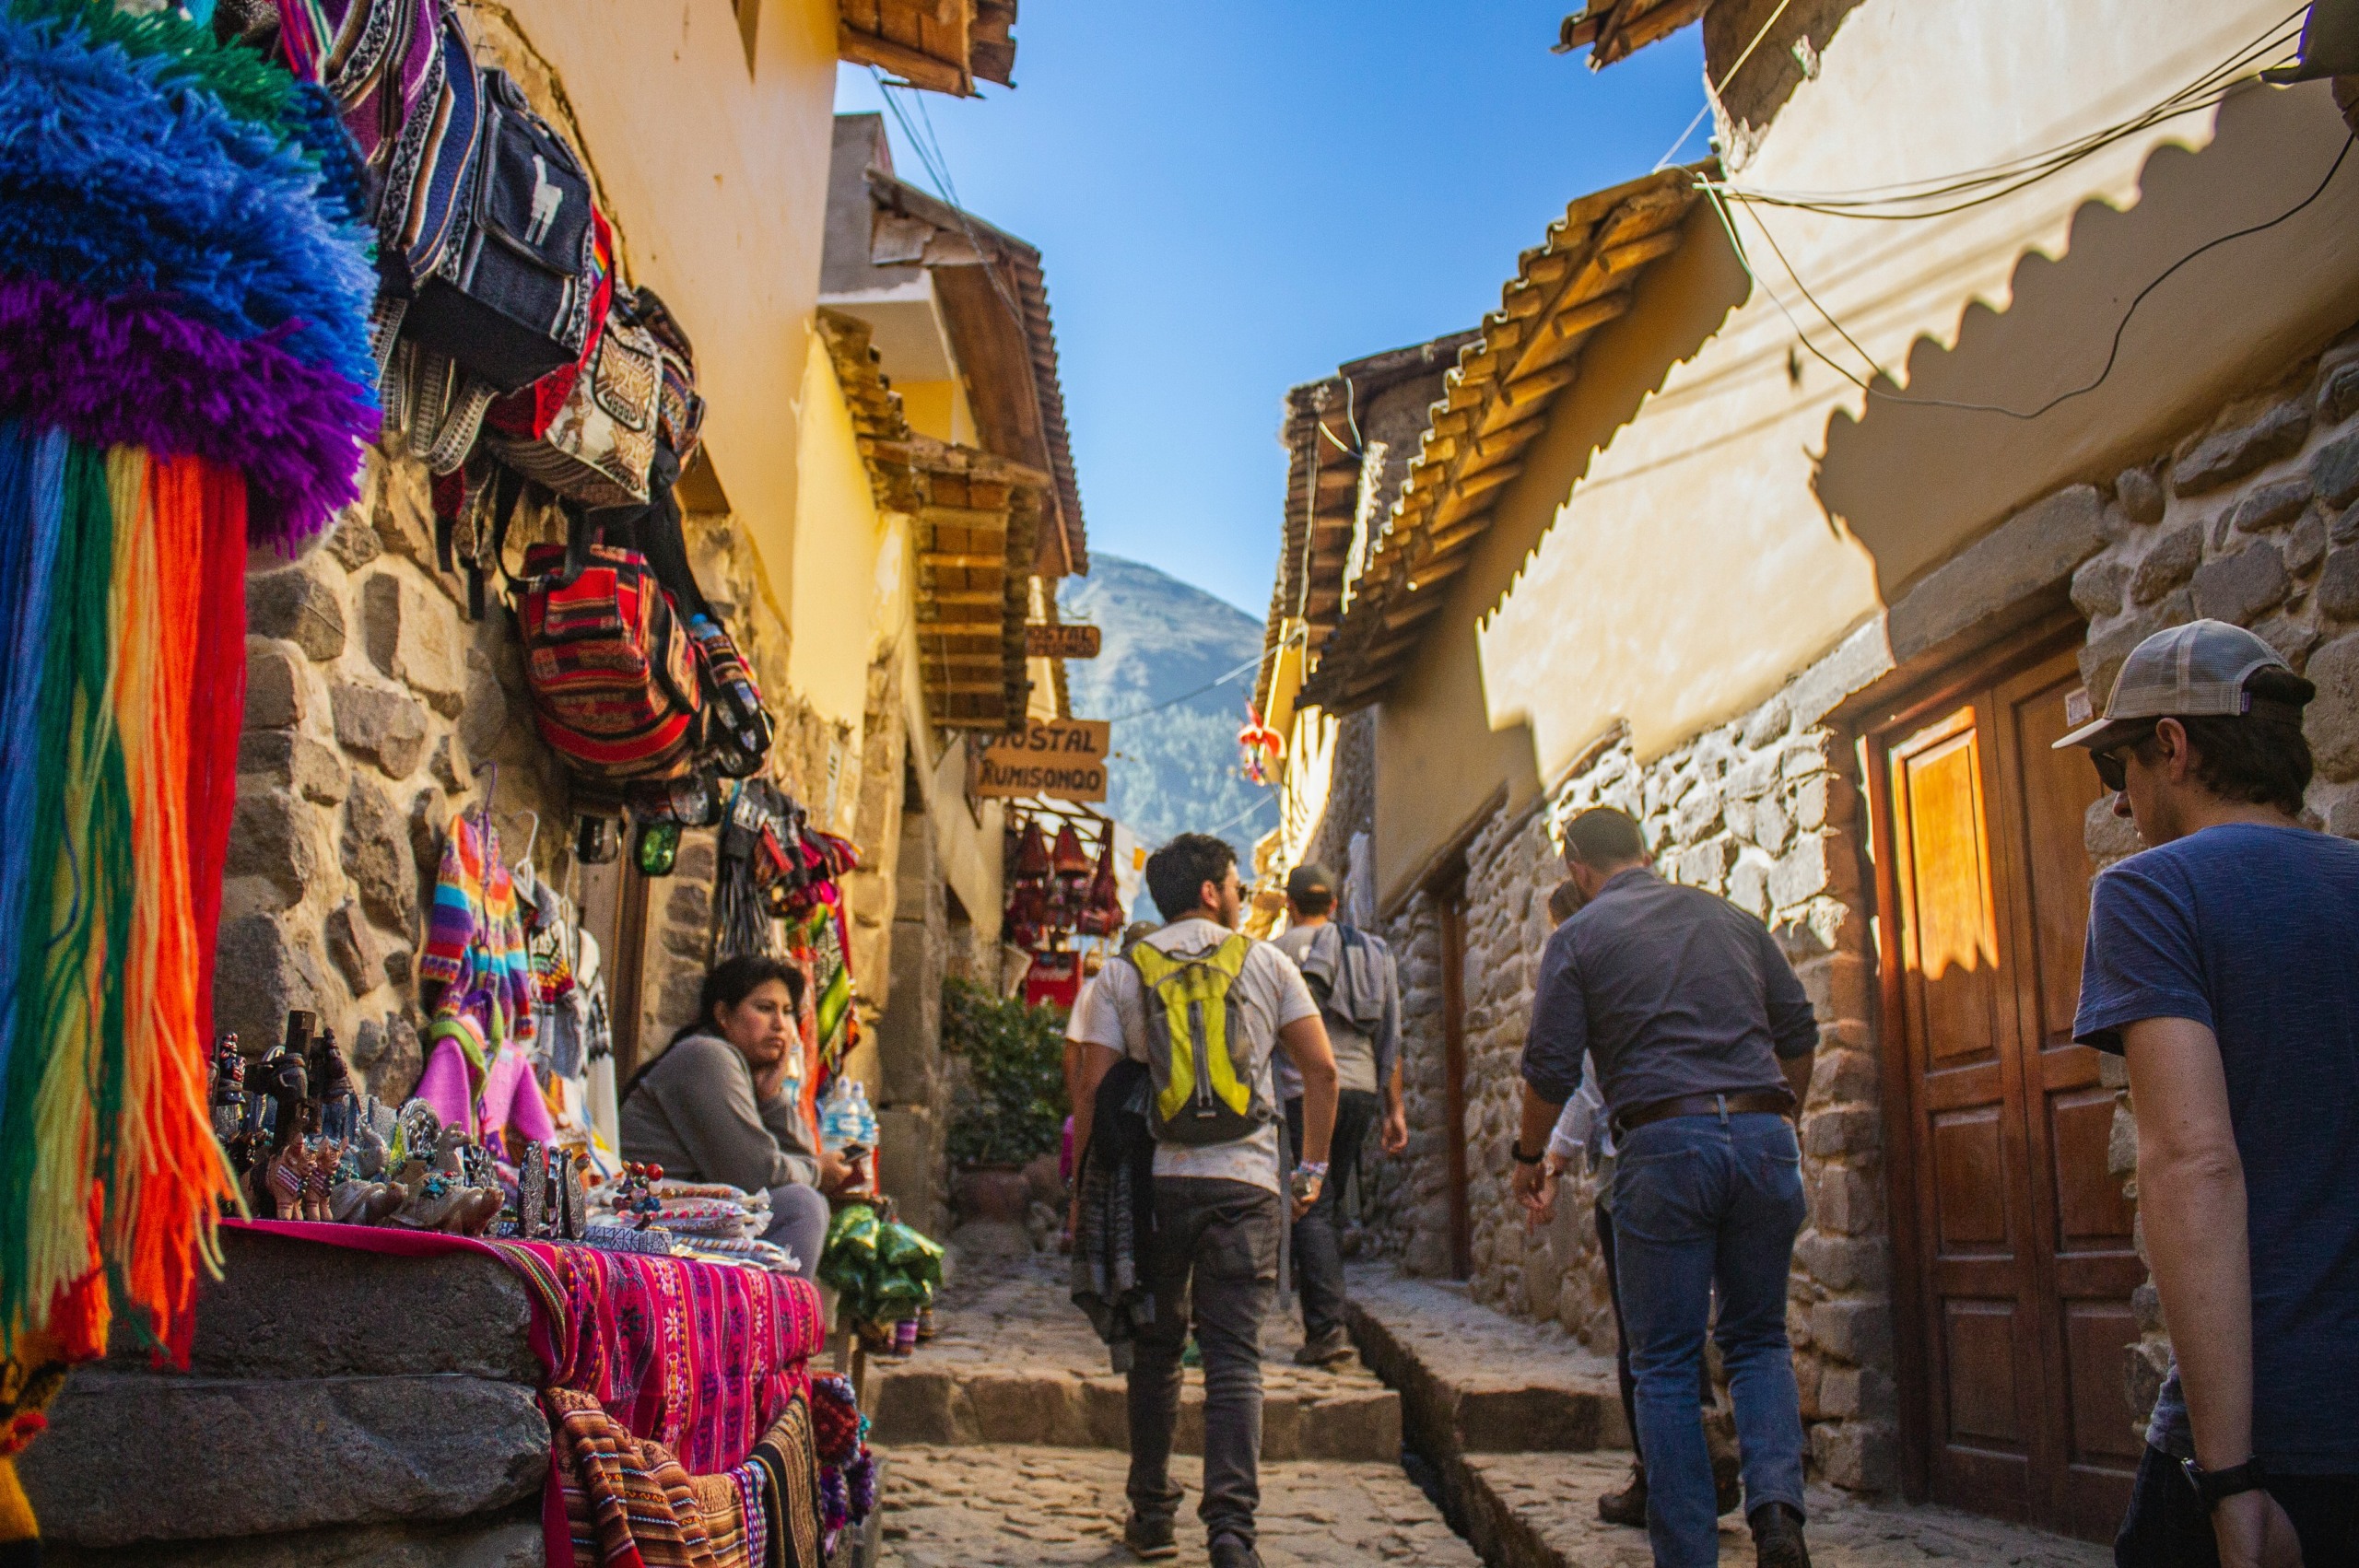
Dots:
(1236, 195)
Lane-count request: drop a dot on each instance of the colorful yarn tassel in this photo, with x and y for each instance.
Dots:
(185, 372)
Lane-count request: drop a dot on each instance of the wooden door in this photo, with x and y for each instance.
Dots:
(2017, 1234)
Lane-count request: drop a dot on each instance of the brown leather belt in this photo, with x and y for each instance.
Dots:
(1777, 1102)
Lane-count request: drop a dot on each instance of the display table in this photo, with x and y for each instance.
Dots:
(358, 1396)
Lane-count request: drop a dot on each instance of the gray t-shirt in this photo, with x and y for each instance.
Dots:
(1355, 1052)
(1270, 994)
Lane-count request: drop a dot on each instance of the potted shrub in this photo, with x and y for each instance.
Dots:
(1010, 1109)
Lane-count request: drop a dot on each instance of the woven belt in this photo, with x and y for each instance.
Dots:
(1777, 1102)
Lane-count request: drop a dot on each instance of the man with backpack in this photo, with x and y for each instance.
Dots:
(1203, 1006)
(1352, 977)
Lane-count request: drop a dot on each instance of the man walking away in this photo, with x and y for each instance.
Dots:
(1203, 1005)
(1703, 1040)
(1580, 1135)
(1353, 979)
(2224, 963)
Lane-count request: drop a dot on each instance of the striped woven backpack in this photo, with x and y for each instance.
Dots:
(613, 672)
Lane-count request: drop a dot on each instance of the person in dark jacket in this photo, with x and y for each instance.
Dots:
(1703, 1038)
(723, 1103)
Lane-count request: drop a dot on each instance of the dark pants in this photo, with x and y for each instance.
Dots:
(1215, 1252)
(798, 1218)
(1622, 1335)
(1318, 1251)
(2168, 1527)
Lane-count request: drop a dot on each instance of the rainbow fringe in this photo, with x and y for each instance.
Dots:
(184, 289)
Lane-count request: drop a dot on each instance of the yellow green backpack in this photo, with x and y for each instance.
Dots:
(1205, 1089)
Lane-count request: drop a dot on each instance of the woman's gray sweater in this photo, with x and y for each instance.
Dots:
(694, 1112)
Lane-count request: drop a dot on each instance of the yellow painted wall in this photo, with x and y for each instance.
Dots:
(937, 409)
(837, 585)
(716, 174)
(1665, 560)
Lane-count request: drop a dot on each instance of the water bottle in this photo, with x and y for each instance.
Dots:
(838, 1118)
(866, 1137)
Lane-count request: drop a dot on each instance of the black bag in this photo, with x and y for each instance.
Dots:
(509, 296)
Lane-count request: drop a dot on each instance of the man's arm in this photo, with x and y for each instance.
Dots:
(1089, 1064)
(2191, 1203)
(1305, 1043)
(1793, 1023)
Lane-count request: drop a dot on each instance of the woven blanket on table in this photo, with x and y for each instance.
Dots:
(629, 1503)
(700, 1357)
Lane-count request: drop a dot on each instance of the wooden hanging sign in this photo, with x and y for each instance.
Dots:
(1059, 639)
(1059, 759)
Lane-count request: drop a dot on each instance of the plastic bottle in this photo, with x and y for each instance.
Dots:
(839, 1121)
(866, 1114)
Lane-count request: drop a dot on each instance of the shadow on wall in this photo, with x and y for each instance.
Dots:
(1913, 483)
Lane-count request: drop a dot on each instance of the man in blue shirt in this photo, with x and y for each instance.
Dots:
(2223, 964)
(1703, 1040)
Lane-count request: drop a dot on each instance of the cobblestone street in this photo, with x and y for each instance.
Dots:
(949, 1507)
(1004, 1443)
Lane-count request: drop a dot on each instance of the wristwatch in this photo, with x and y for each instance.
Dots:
(2216, 1487)
(1515, 1152)
(1307, 1174)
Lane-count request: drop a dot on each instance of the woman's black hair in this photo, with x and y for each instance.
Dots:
(731, 980)
(727, 984)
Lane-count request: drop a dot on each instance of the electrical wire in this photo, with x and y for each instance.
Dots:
(1714, 89)
(2113, 353)
(937, 168)
(1252, 663)
(1909, 199)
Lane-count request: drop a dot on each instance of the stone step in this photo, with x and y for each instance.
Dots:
(1027, 1508)
(1540, 1511)
(917, 1404)
(1017, 1362)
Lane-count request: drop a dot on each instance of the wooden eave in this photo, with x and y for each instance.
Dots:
(977, 522)
(995, 306)
(1322, 499)
(1614, 30)
(941, 45)
(1496, 402)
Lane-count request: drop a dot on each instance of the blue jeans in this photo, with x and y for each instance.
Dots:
(1698, 1200)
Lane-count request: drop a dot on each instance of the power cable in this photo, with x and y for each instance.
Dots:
(1252, 663)
(937, 166)
(2113, 353)
(1906, 199)
(1714, 89)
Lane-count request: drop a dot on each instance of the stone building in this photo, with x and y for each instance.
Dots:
(1797, 536)
(378, 707)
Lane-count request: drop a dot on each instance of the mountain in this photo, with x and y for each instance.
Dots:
(1175, 769)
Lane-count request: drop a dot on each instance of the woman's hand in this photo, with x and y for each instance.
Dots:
(839, 1176)
(769, 1080)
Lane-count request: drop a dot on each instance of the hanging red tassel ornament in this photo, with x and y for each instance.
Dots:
(1031, 852)
(1071, 861)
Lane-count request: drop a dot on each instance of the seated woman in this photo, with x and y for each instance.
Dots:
(724, 1104)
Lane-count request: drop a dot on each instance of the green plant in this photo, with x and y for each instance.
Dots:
(1012, 1107)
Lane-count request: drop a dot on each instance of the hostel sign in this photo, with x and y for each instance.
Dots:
(1059, 639)
(1060, 759)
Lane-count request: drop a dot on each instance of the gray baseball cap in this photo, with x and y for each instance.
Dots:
(2184, 671)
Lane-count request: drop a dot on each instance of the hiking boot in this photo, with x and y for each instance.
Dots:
(1777, 1537)
(1628, 1506)
(1150, 1540)
(1333, 1346)
(1230, 1553)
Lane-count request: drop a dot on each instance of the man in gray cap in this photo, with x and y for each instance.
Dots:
(2223, 962)
(1351, 975)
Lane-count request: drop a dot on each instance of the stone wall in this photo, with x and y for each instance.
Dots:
(339, 1407)
(374, 711)
(1765, 811)
(2252, 518)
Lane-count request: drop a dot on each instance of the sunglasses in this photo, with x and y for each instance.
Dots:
(2111, 772)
